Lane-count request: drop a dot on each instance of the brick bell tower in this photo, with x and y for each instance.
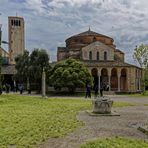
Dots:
(16, 37)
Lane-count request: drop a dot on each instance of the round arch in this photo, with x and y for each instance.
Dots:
(114, 80)
(104, 76)
(123, 79)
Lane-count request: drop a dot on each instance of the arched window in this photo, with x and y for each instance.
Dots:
(105, 55)
(90, 55)
(97, 56)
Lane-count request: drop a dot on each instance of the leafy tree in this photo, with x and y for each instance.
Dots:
(70, 74)
(22, 66)
(39, 59)
(141, 56)
(30, 66)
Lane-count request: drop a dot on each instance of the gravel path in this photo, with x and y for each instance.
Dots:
(124, 125)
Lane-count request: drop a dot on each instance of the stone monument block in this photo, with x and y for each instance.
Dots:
(102, 105)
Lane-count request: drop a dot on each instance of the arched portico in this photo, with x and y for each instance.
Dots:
(118, 78)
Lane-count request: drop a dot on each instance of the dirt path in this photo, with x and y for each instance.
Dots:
(98, 127)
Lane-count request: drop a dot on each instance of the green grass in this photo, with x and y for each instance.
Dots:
(145, 104)
(117, 142)
(140, 95)
(26, 121)
(122, 104)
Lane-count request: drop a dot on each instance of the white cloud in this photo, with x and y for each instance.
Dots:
(49, 22)
(36, 5)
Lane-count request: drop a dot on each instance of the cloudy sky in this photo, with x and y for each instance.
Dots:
(49, 22)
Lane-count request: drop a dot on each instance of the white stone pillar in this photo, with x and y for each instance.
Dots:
(118, 83)
(99, 74)
(109, 79)
(127, 79)
(119, 75)
(43, 84)
(139, 84)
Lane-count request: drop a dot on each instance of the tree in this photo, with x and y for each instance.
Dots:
(39, 59)
(141, 56)
(30, 66)
(70, 74)
(22, 66)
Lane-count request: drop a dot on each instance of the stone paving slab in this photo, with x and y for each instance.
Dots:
(113, 113)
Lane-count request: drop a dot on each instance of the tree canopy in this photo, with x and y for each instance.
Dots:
(22, 65)
(39, 59)
(30, 66)
(141, 55)
(70, 74)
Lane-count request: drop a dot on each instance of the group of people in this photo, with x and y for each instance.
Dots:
(103, 86)
(7, 88)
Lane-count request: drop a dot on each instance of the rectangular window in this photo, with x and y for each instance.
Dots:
(19, 23)
(12, 22)
(16, 22)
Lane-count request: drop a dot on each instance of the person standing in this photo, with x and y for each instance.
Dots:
(96, 90)
(101, 90)
(21, 87)
(88, 91)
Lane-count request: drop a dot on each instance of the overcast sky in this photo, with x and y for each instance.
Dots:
(49, 22)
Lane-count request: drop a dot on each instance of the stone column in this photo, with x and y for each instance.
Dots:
(99, 74)
(109, 79)
(127, 79)
(43, 84)
(139, 80)
(139, 84)
(119, 74)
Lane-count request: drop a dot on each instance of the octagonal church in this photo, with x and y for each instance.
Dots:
(104, 61)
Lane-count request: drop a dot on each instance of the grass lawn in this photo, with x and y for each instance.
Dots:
(26, 121)
(117, 142)
(140, 95)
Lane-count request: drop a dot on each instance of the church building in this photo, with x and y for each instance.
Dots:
(104, 61)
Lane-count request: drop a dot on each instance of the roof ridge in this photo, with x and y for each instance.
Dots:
(89, 33)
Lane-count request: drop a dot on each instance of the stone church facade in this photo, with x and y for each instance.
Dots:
(104, 61)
